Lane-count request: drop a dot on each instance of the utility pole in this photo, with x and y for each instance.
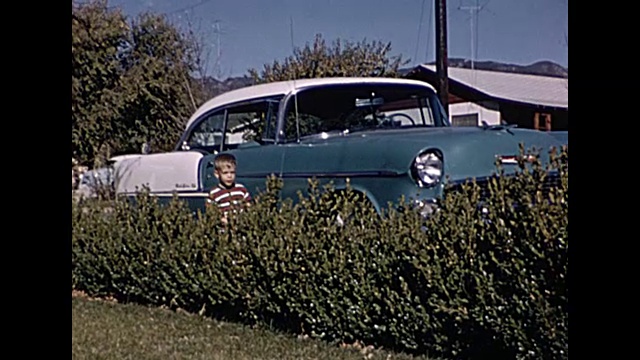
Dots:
(441, 54)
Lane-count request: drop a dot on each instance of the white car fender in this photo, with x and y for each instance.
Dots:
(160, 173)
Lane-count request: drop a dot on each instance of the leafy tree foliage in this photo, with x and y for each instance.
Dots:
(97, 35)
(131, 82)
(341, 58)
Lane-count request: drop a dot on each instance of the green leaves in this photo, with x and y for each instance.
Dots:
(342, 58)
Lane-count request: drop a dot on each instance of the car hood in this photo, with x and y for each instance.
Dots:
(467, 151)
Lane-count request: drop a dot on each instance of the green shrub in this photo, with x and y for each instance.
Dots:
(500, 285)
(482, 276)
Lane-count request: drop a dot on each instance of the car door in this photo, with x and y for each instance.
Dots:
(250, 137)
(322, 160)
(310, 153)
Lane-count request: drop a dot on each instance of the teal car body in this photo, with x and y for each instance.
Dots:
(389, 138)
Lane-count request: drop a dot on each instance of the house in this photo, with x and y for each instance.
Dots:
(529, 101)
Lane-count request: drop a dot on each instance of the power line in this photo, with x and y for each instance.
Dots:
(217, 32)
(426, 52)
(415, 56)
(473, 13)
(291, 33)
(188, 7)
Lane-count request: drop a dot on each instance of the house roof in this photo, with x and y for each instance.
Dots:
(525, 88)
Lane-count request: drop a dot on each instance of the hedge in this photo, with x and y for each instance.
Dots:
(484, 276)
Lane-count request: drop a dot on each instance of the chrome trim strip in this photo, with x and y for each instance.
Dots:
(351, 174)
(166, 194)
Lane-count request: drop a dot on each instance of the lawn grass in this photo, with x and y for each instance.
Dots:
(108, 330)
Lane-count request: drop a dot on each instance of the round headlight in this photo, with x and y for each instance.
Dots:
(427, 168)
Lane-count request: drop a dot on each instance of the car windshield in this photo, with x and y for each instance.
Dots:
(346, 108)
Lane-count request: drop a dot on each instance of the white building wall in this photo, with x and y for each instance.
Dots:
(492, 117)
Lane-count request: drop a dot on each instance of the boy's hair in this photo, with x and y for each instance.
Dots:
(224, 159)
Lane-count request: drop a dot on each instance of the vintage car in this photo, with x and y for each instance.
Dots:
(388, 137)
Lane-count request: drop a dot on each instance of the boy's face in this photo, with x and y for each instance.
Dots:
(226, 175)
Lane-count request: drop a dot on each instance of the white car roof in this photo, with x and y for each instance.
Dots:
(291, 86)
(122, 157)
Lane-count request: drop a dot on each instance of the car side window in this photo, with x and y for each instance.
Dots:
(208, 133)
(248, 122)
(252, 122)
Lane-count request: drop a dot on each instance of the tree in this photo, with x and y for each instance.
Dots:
(369, 59)
(157, 79)
(132, 82)
(96, 77)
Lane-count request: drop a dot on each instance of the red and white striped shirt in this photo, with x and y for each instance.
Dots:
(225, 197)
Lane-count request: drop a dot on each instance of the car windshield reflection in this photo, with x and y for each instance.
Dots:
(342, 109)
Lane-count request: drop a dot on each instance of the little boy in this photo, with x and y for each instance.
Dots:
(227, 195)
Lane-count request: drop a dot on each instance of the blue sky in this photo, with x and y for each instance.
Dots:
(254, 32)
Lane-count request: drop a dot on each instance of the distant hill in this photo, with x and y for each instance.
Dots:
(215, 87)
(544, 68)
